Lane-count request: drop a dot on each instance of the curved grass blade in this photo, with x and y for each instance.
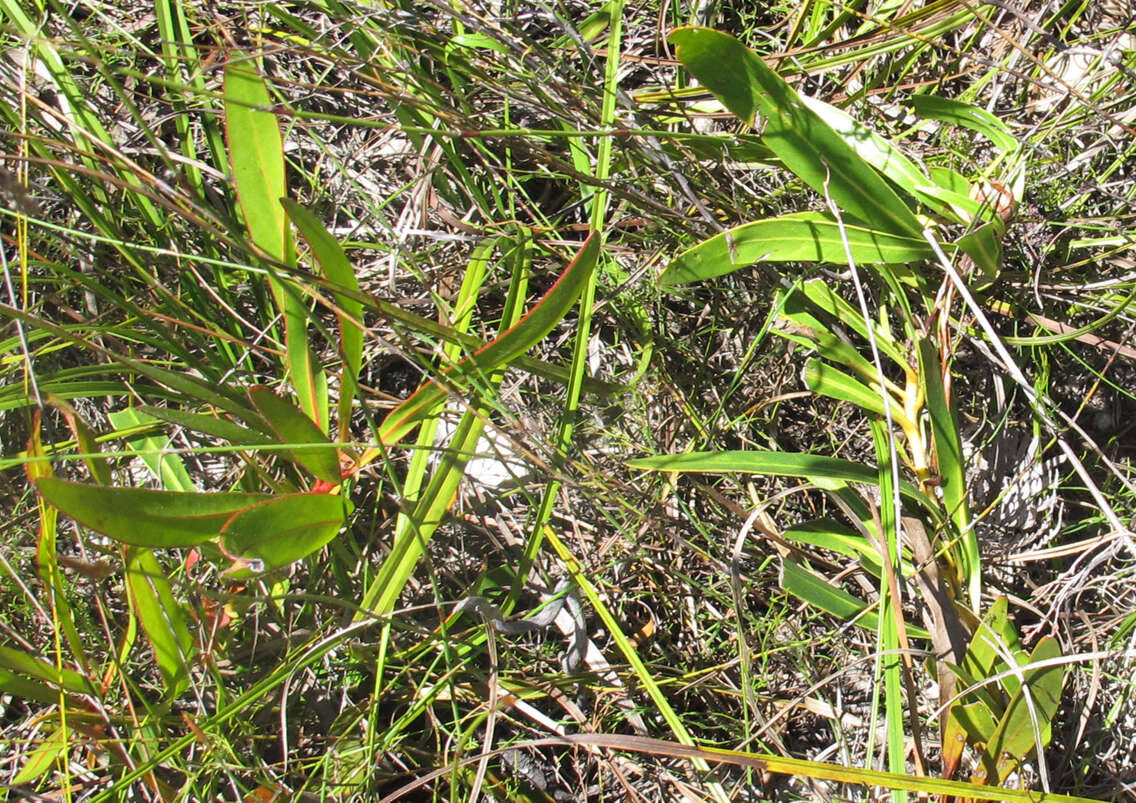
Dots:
(956, 112)
(143, 517)
(539, 321)
(799, 237)
(805, 143)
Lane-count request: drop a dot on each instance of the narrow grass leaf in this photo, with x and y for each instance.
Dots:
(161, 617)
(797, 237)
(822, 296)
(539, 321)
(803, 141)
(284, 529)
(815, 467)
(293, 427)
(143, 517)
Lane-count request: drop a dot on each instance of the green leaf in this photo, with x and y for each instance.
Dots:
(820, 377)
(984, 246)
(293, 427)
(820, 295)
(144, 517)
(839, 538)
(338, 270)
(161, 617)
(256, 153)
(43, 758)
(539, 321)
(284, 529)
(798, 237)
(36, 672)
(211, 425)
(803, 141)
(166, 467)
(952, 470)
(808, 587)
(1015, 738)
(963, 114)
(814, 467)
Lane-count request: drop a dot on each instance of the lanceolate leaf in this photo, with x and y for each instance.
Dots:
(161, 617)
(1016, 737)
(350, 313)
(293, 427)
(803, 141)
(799, 237)
(284, 529)
(143, 517)
(814, 467)
(256, 152)
(539, 321)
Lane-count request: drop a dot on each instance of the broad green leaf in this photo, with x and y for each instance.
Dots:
(808, 587)
(211, 425)
(1015, 739)
(963, 114)
(293, 427)
(814, 467)
(539, 321)
(984, 246)
(338, 270)
(284, 529)
(803, 141)
(798, 237)
(144, 517)
(161, 617)
(256, 153)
